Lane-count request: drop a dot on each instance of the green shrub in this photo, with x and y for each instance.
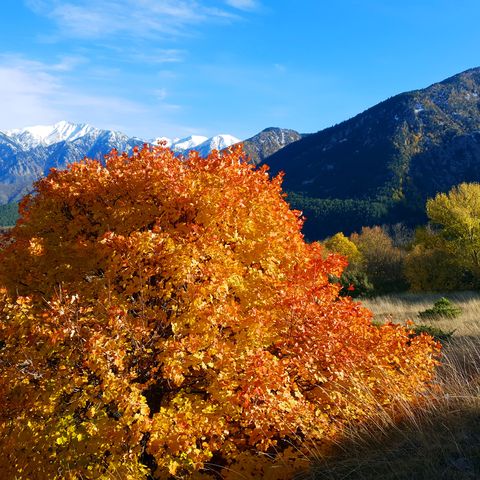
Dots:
(442, 308)
(435, 332)
(355, 284)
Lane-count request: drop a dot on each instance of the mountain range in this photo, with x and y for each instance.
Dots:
(29, 153)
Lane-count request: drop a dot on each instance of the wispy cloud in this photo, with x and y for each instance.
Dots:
(35, 93)
(169, 55)
(26, 94)
(243, 4)
(91, 19)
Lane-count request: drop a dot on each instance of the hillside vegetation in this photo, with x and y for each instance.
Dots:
(444, 254)
(8, 214)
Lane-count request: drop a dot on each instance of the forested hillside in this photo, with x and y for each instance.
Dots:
(382, 165)
(8, 214)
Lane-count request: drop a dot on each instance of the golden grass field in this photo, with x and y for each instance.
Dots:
(438, 440)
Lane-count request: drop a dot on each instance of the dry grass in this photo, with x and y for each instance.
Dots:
(439, 440)
(407, 306)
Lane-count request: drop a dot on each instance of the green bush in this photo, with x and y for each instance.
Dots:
(435, 332)
(442, 308)
(355, 284)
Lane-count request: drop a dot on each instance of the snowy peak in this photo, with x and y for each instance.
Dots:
(202, 144)
(188, 143)
(65, 131)
(218, 142)
(46, 135)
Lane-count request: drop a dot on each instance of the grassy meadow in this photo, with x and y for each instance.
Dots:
(440, 439)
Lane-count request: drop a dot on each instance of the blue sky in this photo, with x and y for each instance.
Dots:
(178, 67)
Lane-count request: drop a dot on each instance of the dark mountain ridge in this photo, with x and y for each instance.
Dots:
(392, 156)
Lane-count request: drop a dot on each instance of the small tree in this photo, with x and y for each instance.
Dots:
(339, 243)
(164, 316)
(442, 308)
(382, 261)
(354, 280)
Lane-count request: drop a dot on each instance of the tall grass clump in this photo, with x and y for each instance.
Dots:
(438, 438)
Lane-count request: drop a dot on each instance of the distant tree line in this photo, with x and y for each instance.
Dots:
(8, 214)
(325, 216)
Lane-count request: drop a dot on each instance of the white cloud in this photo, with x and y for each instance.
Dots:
(36, 93)
(90, 19)
(26, 94)
(242, 4)
(160, 95)
(69, 63)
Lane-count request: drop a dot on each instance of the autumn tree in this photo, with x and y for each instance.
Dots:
(339, 243)
(457, 216)
(446, 254)
(354, 280)
(381, 260)
(164, 316)
(430, 266)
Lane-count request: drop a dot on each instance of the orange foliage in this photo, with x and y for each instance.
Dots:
(165, 315)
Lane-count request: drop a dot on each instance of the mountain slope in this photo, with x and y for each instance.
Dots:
(395, 154)
(269, 141)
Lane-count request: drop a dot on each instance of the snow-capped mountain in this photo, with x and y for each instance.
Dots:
(218, 142)
(202, 144)
(30, 137)
(188, 143)
(28, 153)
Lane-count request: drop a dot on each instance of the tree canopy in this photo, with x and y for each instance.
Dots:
(457, 214)
(446, 254)
(339, 243)
(164, 316)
